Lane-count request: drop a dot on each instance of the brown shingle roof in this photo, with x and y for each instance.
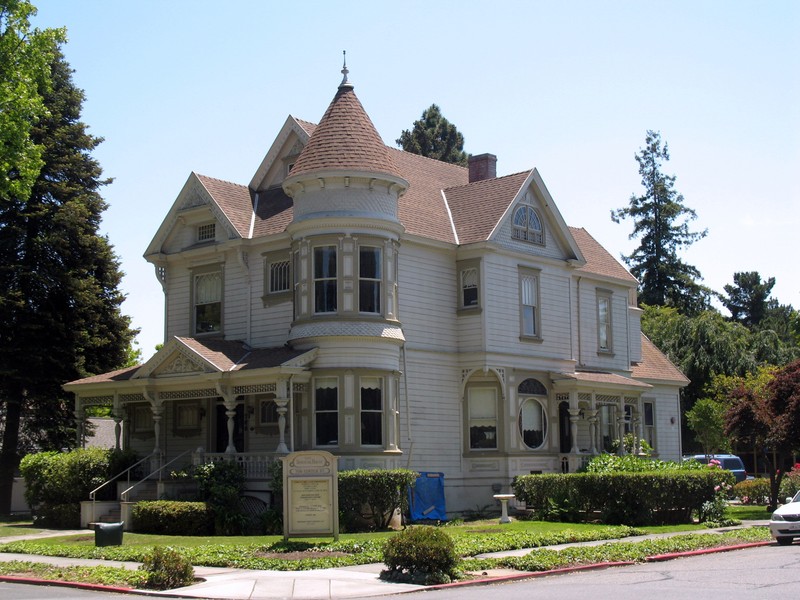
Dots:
(656, 366)
(274, 213)
(422, 209)
(345, 139)
(598, 260)
(234, 200)
(478, 206)
(231, 355)
(119, 375)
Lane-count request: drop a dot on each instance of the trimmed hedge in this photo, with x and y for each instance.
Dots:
(642, 498)
(752, 491)
(371, 496)
(423, 555)
(169, 517)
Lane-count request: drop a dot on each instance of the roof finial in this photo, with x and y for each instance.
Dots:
(345, 71)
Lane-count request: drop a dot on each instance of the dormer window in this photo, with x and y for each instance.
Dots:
(207, 232)
(527, 226)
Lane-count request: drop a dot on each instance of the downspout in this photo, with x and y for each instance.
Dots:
(578, 300)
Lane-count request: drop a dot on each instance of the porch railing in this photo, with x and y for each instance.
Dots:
(93, 493)
(124, 495)
(256, 465)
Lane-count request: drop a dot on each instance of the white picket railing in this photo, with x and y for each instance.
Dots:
(256, 465)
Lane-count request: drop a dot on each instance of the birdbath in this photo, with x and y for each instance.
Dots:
(504, 498)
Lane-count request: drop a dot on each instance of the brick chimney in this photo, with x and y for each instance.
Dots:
(482, 166)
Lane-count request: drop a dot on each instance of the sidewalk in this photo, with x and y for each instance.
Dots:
(359, 581)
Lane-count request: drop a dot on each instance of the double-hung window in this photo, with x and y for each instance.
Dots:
(326, 411)
(604, 338)
(325, 279)
(649, 423)
(530, 322)
(369, 279)
(207, 295)
(371, 412)
(469, 285)
(482, 418)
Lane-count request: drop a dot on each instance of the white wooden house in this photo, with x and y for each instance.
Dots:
(394, 310)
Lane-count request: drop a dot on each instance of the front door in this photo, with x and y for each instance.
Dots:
(222, 429)
(564, 428)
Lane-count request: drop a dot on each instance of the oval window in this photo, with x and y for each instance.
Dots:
(532, 423)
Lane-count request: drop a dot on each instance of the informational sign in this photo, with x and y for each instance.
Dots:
(310, 494)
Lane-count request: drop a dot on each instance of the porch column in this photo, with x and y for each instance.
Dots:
(636, 428)
(78, 421)
(116, 413)
(392, 412)
(230, 412)
(574, 415)
(282, 448)
(592, 414)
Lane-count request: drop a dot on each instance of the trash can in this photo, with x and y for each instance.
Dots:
(108, 534)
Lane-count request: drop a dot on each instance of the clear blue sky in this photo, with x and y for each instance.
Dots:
(567, 87)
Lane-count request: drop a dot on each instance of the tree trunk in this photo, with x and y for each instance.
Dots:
(9, 457)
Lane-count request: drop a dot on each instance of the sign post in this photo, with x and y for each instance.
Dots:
(310, 494)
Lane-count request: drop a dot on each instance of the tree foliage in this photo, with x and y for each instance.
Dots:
(707, 419)
(660, 220)
(60, 317)
(747, 298)
(766, 416)
(435, 137)
(25, 55)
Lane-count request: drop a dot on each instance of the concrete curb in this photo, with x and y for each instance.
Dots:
(670, 556)
(98, 587)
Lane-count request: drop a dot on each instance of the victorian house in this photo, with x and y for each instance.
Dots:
(394, 310)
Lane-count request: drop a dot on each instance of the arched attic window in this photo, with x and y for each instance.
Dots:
(527, 226)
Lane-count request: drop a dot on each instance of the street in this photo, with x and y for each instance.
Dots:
(767, 572)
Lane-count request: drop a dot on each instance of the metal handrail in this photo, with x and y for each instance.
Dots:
(124, 495)
(93, 493)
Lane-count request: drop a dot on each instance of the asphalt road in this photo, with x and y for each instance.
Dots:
(763, 573)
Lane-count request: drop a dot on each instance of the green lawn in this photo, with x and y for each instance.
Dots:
(12, 528)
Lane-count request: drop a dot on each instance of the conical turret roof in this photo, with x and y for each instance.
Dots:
(345, 140)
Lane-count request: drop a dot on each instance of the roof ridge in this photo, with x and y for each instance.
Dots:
(220, 180)
(422, 156)
(491, 180)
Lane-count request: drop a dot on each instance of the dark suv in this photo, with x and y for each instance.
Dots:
(729, 462)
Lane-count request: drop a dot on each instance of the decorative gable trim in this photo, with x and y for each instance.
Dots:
(275, 150)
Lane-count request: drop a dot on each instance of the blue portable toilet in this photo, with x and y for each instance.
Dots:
(426, 498)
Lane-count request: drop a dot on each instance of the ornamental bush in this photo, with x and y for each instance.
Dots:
(168, 517)
(638, 498)
(421, 554)
(221, 485)
(166, 569)
(752, 491)
(56, 480)
(368, 498)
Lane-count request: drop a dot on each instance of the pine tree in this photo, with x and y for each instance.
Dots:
(60, 317)
(660, 220)
(435, 137)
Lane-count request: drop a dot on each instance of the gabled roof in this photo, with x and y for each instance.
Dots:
(478, 206)
(345, 140)
(655, 366)
(233, 199)
(210, 356)
(598, 260)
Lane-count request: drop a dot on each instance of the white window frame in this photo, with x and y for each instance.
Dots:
(478, 417)
(331, 382)
(323, 279)
(198, 300)
(371, 281)
(542, 405)
(469, 283)
(605, 322)
(649, 423)
(527, 225)
(371, 383)
(529, 304)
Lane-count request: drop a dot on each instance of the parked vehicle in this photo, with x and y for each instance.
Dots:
(785, 522)
(729, 462)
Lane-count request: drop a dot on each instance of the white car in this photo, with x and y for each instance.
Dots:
(785, 522)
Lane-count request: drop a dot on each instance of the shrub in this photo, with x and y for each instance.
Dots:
(372, 496)
(752, 491)
(221, 485)
(168, 517)
(638, 498)
(166, 569)
(58, 516)
(423, 555)
(53, 479)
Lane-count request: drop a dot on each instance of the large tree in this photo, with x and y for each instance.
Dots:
(25, 55)
(60, 317)
(747, 299)
(767, 418)
(435, 137)
(660, 220)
